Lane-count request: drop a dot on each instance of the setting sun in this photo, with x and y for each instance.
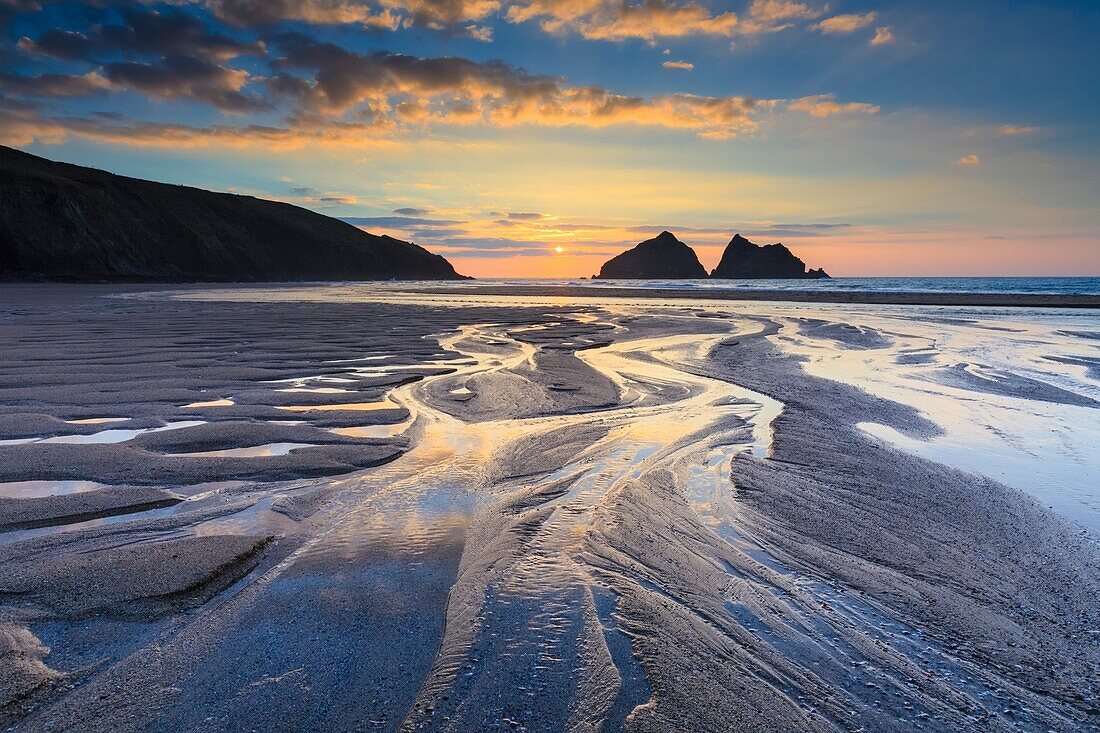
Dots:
(559, 250)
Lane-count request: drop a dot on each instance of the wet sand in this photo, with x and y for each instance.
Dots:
(542, 513)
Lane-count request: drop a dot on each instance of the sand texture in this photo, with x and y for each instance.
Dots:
(355, 509)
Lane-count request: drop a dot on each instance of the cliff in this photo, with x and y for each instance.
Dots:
(65, 222)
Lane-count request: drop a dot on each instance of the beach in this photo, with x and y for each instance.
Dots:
(389, 507)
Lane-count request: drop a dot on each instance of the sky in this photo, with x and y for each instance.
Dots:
(538, 138)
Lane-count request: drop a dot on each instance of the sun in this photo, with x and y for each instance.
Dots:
(559, 250)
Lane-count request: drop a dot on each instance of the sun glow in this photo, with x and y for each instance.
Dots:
(559, 250)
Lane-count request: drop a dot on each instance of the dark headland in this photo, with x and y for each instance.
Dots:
(667, 258)
(70, 223)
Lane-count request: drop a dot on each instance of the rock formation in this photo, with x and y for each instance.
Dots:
(745, 260)
(65, 222)
(662, 258)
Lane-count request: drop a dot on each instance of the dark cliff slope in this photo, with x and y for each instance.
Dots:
(743, 259)
(663, 257)
(65, 222)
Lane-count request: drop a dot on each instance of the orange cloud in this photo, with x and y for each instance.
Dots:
(969, 160)
(825, 105)
(883, 35)
(458, 91)
(770, 16)
(262, 12)
(25, 126)
(1014, 130)
(611, 20)
(847, 23)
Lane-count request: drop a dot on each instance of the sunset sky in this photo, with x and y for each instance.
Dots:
(874, 138)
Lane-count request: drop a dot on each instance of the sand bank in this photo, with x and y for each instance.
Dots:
(592, 516)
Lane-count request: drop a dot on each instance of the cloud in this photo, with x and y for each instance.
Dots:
(847, 23)
(617, 20)
(648, 20)
(682, 65)
(771, 16)
(883, 35)
(969, 160)
(400, 222)
(11, 8)
(1015, 130)
(54, 85)
(313, 196)
(252, 13)
(449, 90)
(187, 77)
(409, 211)
(59, 44)
(329, 95)
(524, 216)
(23, 125)
(497, 247)
(825, 105)
(142, 32)
(455, 16)
(163, 55)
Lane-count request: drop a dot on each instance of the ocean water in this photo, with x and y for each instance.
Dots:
(996, 285)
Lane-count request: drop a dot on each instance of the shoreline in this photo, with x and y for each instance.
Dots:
(990, 300)
(471, 287)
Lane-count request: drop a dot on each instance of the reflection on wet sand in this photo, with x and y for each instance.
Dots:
(597, 518)
(256, 451)
(224, 402)
(344, 406)
(36, 489)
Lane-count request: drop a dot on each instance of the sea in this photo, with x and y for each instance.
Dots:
(994, 285)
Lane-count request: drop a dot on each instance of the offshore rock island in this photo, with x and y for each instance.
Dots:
(667, 258)
(747, 261)
(663, 257)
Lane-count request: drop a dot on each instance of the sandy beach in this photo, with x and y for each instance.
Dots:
(373, 507)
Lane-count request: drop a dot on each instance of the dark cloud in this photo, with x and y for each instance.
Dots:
(748, 230)
(142, 33)
(435, 234)
(163, 54)
(412, 212)
(328, 92)
(775, 234)
(455, 17)
(53, 85)
(255, 13)
(343, 78)
(187, 77)
(524, 215)
(170, 33)
(11, 8)
(498, 247)
(490, 254)
(66, 45)
(809, 226)
(400, 222)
